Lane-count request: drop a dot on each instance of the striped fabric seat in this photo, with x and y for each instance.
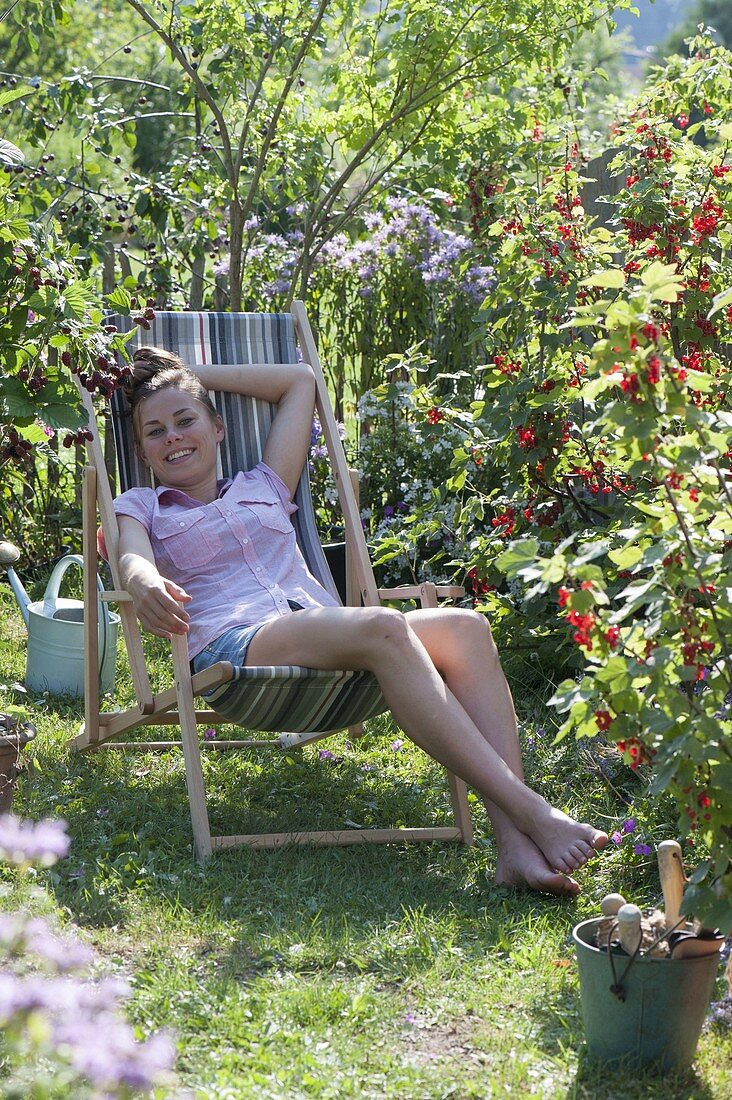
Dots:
(304, 700)
(267, 698)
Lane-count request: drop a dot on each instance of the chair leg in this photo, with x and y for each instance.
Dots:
(460, 807)
(353, 594)
(91, 617)
(191, 749)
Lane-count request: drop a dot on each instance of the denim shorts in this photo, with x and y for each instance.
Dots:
(231, 646)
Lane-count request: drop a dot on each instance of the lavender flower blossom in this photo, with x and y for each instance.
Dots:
(18, 934)
(115, 1059)
(40, 842)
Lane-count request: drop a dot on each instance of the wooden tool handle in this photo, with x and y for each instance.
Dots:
(629, 928)
(611, 903)
(671, 872)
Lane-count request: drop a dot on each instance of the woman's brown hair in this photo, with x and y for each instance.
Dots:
(155, 369)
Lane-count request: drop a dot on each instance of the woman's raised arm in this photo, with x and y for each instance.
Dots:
(291, 386)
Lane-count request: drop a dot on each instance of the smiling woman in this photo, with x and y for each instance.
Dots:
(218, 561)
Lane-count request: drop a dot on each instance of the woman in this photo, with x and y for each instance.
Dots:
(217, 560)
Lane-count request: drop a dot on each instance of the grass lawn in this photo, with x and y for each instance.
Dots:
(355, 972)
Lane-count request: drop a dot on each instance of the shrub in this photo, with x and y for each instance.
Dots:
(604, 426)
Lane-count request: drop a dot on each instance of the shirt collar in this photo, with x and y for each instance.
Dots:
(164, 492)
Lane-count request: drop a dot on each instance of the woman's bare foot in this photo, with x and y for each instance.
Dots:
(520, 863)
(566, 844)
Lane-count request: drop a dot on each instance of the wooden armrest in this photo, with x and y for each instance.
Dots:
(416, 591)
(115, 595)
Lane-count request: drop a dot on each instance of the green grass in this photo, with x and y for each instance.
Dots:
(344, 973)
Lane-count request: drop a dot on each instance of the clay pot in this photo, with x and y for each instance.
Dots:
(14, 736)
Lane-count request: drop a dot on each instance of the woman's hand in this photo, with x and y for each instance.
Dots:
(158, 602)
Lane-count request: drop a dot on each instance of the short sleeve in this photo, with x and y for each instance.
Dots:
(139, 504)
(275, 481)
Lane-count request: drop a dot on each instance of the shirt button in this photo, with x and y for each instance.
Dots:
(228, 512)
(258, 569)
(182, 523)
(245, 541)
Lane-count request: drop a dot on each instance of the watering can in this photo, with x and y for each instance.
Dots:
(56, 632)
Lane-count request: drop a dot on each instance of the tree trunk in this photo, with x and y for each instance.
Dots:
(236, 240)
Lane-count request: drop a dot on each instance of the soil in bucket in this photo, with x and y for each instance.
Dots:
(657, 1020)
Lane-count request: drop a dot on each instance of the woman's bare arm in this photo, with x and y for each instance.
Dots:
(291, 386)
(156, 599)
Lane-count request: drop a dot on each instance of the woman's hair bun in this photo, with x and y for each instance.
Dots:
(147, 362)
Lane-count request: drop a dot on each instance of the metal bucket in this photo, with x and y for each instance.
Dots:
(657, 1020)
(56, 640)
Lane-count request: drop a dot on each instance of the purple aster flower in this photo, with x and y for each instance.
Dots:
(629, 825)
(396, 746)
(720, 1012)
(642, 849)
(325, 754)
(209, 734)
(617, 837)
(115, 1061)
(278, 286)
(32, 841)
(19, 934)
(68, 998)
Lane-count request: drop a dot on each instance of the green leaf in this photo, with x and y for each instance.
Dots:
(612, 278)
(16, 401)
(662, 280)
(44, 301)
(11, 94)
(626, 557)
(582, 600)
(75, 301)
(119, 299)
(9, 153)
(719, 301)
(519, 555)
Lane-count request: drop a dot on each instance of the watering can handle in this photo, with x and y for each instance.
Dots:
(51, 595)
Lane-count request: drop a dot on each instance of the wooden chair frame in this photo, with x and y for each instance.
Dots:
(175, 705)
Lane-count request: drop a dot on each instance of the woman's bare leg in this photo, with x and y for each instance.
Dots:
(462, 649)
(426, 709)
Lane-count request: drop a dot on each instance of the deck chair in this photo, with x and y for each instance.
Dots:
(307, 703)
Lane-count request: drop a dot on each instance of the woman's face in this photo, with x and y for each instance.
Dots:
(178, 439)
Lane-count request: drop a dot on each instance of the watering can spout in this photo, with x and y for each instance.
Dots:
(9, 554)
